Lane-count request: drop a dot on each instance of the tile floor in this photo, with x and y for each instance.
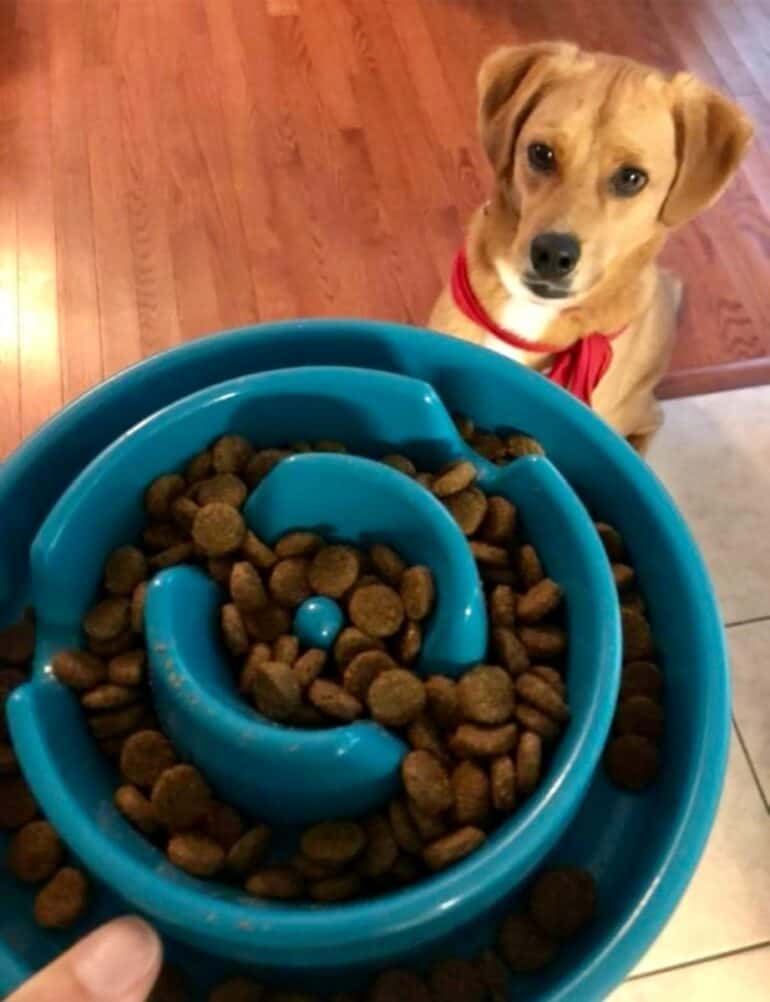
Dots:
(714, 456)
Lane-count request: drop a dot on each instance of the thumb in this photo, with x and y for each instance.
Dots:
(117, 963)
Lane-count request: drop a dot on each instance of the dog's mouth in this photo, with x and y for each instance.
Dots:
(546, 290)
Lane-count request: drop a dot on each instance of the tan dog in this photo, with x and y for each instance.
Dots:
(596, 159)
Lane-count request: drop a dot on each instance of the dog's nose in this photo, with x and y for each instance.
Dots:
(554, 255)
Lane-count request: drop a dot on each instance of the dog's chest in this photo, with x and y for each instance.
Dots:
(527, 320)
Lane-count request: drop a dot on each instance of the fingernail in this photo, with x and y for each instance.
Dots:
(115, 958)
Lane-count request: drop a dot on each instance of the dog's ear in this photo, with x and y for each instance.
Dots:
(712, 134)
(509, 82)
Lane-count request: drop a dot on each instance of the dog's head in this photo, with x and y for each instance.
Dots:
(595, 157)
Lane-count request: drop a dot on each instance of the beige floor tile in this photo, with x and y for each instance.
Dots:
(727, 905)
(713, 454)
(743, 977)
(750, 657)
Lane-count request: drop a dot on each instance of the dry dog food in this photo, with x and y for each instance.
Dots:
(63, 900)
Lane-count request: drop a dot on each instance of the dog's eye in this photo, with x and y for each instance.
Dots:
(628, 181)
(541, 157)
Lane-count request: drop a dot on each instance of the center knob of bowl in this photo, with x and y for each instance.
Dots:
(318, 621)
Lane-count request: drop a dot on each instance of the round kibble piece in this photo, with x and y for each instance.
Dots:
(552, 677)
(457, 980)
(404, 830)
(417, 592)
(333, 842)
(525, 947)
(286, 649)
(364, 669)
(161, 493)
(486, 695)
(234, 630)
(499, 525)
(17, 805)
(633, 762)
(519, 445)
(124, 569)
(118, 723)
(334, 570)
(161, 535)
(298, 544)
(311, 869)
(261, 463)
(133, 804)
(334, 701)
(424, 734)
(562, 901)
(426, 782)
(248, 851)
(624, 576)
(640, 715)
(387, 563)
(409, 643)
(258, 553)
(231, 453)
(641, 678)
(376, 609)
(276, 690)
(470, 785)
(218, 529)
(502, 606)
(448, 849)
(128, 668)
(472, 741)
(78, 669)
(530, 568)
(637, 636)
(181, 797)
(541, 599)
(109, 697)
(196, 854)
(183, 511)
(542, 696)
(544, 641)
(224, 824)
(351, 642)
(107, 619)
(430, 826)
(396, 697)
(289, 584)
(503, 784)
(537, 722)
(172, 556)
(281, 883)
(486, 553)
(468, 508)
(511, 651)
(381, 849)
(442, 701)
(337, 888)
(529, 756)
(612, 540)
(238, 990)
(266, 625)
(35, 852)
(145, 756)
(224, 488)
(63, 900)
(246, 588)
(400, 463)
(309, 666)
(399, 986)
(454, 479)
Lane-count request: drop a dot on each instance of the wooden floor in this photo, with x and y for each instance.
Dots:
(171, 167)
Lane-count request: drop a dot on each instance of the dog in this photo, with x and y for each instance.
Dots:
(596, 159)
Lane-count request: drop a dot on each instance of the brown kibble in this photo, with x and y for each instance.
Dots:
(424, 735)
(450, 848)
(286, 649)
(405, 871)
(233, 630)
(351, 642)
(224, 824)
(183, 511)
(404, 830)
(224, 488)
(246, 588)
(107, 619)
(145, 756)
(430, 826)
(502, 606)
(542, 696)
(396, 697)
(338, 888)
(457, 980)
(363, 670)
(503, 784)
(537, 722)
(486, 695)
(332, 700)
(128, 668)
(125, 568)
(543, 641)
(499, 525)
(17, 642)
(454, 479)
(492, 576)
(637, 636)
(161, 535)
(471, 741)
(489, 445)
(552, 677)
(442, 701)
(465, 426)
(261, 463)
(468, 509)
(641, 678)
(117, 723)
(381, 849)
(494, 974)
(401, 463)
(376, 609)
(399, 986)
(426, 782)
(387, 563)
(640, 715)
(529, 757)
(279, 883)
(409, 642)
(237, 990)
(267, 624)
(525, 947)
(518, 445)
(196, 854)
(137, 607)
(276, 691)
(110, 648)
(289, 583)
(417, 592)
(63, 900)
(612, 540)
(530, 568)
(35, 852)
(181, 797)
(633, 600)
(218, 529)
(134, 806)
(108, 697)
(248, 851)
(471, 793)
(333, 843)
(231, 453)
(510, 650)
(486, 553)
(334, 570)
(311, 869)
(632, 761)
(298, 544)
(78, 669)
(309, 666)
(562, 901)
(199, 467)
(258, 553)
(624, 576)
(258, 655)
(161, 493)
(541, 599)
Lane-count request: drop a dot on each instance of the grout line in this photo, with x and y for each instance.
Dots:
(747, 622)
(750, 762)
(701, 960)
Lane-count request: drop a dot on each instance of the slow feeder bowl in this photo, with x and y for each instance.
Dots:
(642, 849)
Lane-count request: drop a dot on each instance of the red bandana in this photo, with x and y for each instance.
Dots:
(578, 368)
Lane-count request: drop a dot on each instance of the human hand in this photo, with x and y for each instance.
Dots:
(119, 962)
